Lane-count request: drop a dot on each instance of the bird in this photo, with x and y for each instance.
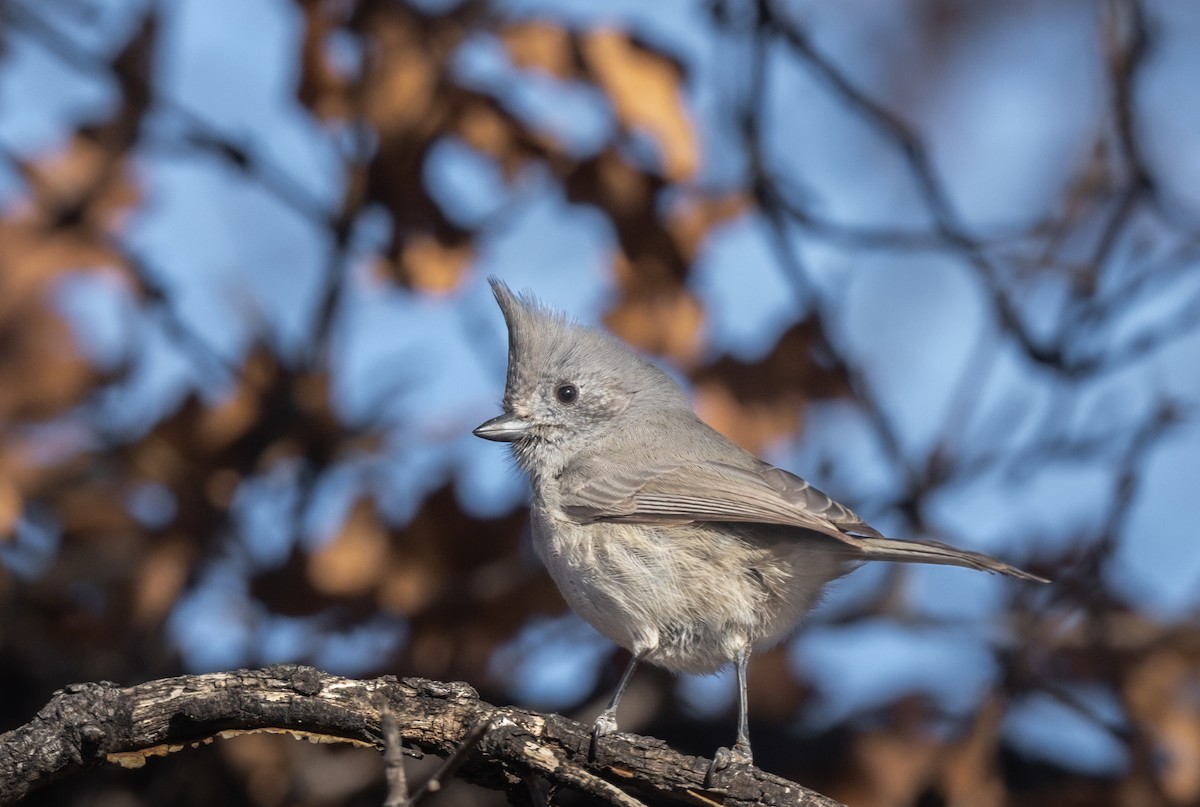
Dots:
(671, 540)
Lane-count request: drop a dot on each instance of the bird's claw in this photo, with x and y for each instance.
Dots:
(724, 757)
(605, 724)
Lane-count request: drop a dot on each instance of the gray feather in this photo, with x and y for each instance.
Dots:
(718, 492)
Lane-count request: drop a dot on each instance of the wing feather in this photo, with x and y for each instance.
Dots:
(712, 491)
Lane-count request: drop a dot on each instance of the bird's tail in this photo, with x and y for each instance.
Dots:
(919, 551)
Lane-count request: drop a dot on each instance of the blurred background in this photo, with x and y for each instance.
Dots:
(938, 256)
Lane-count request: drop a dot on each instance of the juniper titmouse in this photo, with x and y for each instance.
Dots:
(672, 541)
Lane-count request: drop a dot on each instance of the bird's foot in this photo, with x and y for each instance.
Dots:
(738, 755)
(605, 724)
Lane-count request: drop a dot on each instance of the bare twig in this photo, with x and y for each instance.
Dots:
(452, 763)
(393, 758)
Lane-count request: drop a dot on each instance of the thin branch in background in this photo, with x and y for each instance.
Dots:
(921, 167)
(1063, 353)
(222, 368)
(750, 120)
(393, 758)
(201, 133)
(541, 792)
(1152, 277)
(1126, 63)
(144, 276)
(1129, 46)
(355, 161)
(966, 399)
(808, 296)
(451, 764)
(908, 144)
(1166, 417)
(1148, 340)
(1126, 45)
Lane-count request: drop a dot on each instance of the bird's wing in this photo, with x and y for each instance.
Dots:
(712, 491)
(762, 493)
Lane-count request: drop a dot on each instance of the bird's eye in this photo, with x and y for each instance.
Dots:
(567, 393)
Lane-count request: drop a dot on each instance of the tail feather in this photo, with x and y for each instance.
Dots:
(921, 551)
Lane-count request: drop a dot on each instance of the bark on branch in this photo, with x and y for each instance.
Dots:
(86, 725)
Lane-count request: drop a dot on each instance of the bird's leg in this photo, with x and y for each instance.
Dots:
(741, 748)
(740, 753)
(606, 723)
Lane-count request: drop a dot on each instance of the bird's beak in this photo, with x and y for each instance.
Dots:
(506, 428)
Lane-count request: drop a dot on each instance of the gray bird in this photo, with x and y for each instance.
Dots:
(669, 539)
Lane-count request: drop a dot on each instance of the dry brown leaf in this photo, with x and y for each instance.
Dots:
(428, 265)
(458, 579)
(411, 585)
(666, 322)
(402, 80)
(355, 561)
(11, 505)
(1161, 697)
(221, 487)
(484, 128)
(95, 509)
(159, 459)
(970, 773)
(77, 198)
(772, 688)
(412, 99)
(618, 188)
(654, 310)
(229, 419)
(31, 258)
(489, 129)
(42, 373)
(693, 218)
(759, 402)
(288, 589)
(31, 461)
(160, 579)
(543, 46)
(322, 88)
(892, 765)
(645, 88)
(85, 173)
(262, 762)
(753, 426)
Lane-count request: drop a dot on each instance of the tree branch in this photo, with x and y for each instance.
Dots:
(86, 725)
